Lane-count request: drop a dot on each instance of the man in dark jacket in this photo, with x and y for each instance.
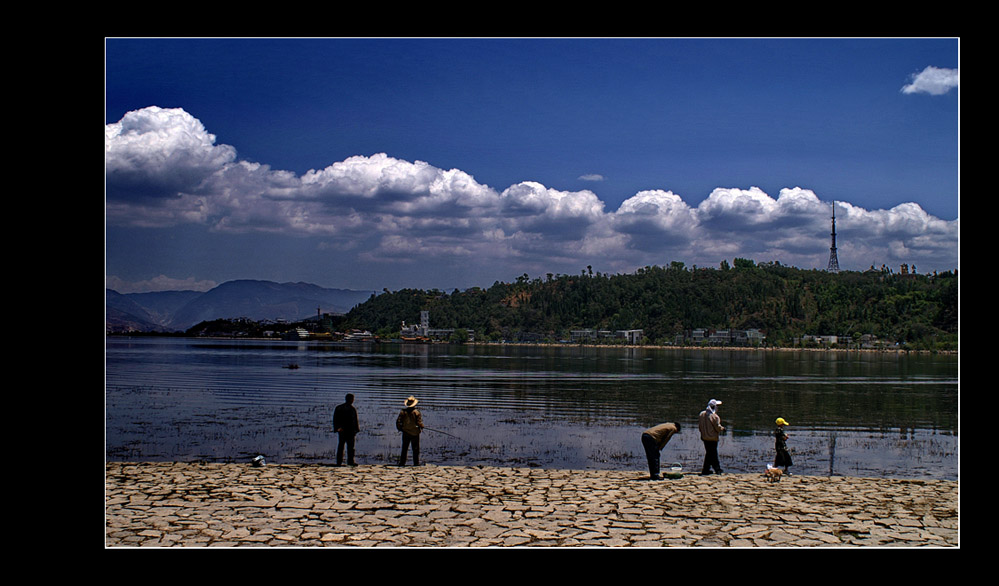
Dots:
(346, 426)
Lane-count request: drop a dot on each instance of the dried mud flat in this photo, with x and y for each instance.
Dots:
(165, 504)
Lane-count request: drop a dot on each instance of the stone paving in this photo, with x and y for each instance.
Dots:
(230, 505)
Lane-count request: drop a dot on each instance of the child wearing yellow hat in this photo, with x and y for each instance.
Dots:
(780, 444)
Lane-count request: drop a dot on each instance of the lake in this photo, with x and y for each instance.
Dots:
(850, 413)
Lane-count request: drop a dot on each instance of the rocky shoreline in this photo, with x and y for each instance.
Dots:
(168, 504)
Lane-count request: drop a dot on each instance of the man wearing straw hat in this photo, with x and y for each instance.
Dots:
(410, 423)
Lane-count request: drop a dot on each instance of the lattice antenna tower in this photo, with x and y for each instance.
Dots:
(833, 261)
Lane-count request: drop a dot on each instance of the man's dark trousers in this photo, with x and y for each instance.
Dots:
(410, 440)
(711, 458)
(652, 455)
(345, 439)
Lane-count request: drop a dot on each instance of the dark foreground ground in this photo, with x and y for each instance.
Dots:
(236, 505)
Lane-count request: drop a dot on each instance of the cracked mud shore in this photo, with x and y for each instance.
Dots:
(166, 504)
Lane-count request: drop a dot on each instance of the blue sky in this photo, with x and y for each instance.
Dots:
(450, 163)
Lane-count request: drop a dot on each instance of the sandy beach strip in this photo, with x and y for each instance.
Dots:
(172, 504)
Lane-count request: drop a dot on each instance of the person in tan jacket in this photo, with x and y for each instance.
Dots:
(654, 440)
(410, 423)
(710, 426)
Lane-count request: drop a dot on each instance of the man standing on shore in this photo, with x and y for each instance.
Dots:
(655, 439)
(410, 423)
(710, 426)
(346, 427)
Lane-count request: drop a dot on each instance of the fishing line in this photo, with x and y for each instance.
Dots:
(446, 433)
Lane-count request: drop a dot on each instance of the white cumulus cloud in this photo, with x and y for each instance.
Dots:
(157, 152)
(654, 219)
(935, 81)
(163, 168)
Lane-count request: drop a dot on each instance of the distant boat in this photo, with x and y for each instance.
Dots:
(297, 334)
(359, 336)
(292, 366)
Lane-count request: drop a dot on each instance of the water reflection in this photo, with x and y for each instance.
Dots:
(574, 407)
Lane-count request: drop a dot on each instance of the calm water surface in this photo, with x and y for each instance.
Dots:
(857, 414)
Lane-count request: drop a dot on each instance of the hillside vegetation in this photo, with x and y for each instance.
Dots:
(918, 311)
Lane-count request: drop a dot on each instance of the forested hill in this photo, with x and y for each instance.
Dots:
(782, 302)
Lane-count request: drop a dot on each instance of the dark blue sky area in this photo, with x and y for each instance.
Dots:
(686, 115)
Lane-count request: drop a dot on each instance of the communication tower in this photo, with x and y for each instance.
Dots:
(833, 261)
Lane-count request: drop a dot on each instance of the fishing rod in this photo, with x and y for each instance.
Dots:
(446, 433)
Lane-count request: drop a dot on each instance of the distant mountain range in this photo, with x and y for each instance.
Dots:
(171, 311)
